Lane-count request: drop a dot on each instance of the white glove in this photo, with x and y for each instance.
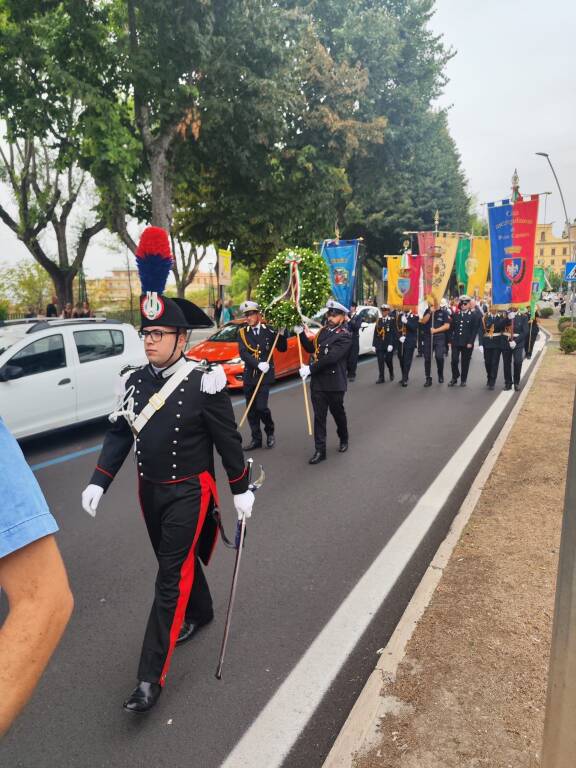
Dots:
(264, 367)
(404, 319)
(304, 371)
(91, 496)
(512, 345)
(402, 339)
(244, 503)
(390, 348)
(298, 329)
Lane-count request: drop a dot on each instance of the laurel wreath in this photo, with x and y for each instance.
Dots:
(315, 287)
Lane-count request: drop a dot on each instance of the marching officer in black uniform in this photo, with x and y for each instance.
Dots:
(256, 341)
(513, 347)
(170, 415)
(353, 324)
(407, 324)
(327, 368)
(493, 326)
(464, 329)
(435, 324)
(533, 333)
(385, 341)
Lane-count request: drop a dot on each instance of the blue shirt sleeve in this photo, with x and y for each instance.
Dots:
(24, 514)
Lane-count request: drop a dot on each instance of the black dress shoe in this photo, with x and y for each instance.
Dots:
(462, 383)
(516, 387)
(351, 378)
(453, 383)
(343, 447)
(252, 445)
(391, 377)
(380, 381)
(440, 379)
(404, 383)
(490, 386)
(428, 383)
(317, 458)
(270, 441)
(190, 628)
(143, 697)
(507, 387)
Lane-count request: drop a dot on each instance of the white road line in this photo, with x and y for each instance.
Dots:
(273, 733)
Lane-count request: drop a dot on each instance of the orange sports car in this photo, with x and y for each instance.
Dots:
(222, 347)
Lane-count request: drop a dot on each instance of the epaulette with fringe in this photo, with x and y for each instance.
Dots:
(213, 377)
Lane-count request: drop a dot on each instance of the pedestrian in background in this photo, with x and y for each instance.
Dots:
(34, 578)
(217, 311)
(227, 314)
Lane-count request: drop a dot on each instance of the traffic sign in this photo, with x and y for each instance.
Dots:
(570, 272)
(385, 274)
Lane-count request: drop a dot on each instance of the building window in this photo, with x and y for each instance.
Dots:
(552, 262)
(564, 251)
(541, 251)
(563, 261)
(553, 251)
(542, 235)
(540, 261)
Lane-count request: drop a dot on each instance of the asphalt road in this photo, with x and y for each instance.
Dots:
(314, 533)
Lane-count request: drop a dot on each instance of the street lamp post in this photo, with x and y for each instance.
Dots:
(568, 234)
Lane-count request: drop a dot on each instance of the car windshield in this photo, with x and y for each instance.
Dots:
(228, 333)
(10, 335)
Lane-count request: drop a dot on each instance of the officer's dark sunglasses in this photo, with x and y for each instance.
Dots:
(156, 335)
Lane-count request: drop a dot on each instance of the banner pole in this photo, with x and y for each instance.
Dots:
(305, 390)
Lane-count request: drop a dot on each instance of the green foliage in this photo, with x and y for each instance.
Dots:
(554, 279)
(314, 287)
(4, 307)
(564, 322)
(568, 341)
(546, 312)
(28, 285)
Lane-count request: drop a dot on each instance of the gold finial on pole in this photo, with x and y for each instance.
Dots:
(515, 185)
(436, 220)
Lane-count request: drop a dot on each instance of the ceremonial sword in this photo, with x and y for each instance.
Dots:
(239, 544)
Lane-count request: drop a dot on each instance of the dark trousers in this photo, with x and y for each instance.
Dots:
(461, 355)
(510, 356)
(352, 360)
(322, 402)
(174, 516)
(259, 411)
(438, 344)
(385, 358)
(421, 341)
(406, 359)
(491, 363)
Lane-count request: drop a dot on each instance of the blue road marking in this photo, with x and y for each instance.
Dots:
(78, 454)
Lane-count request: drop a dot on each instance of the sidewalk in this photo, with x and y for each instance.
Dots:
(467, 688)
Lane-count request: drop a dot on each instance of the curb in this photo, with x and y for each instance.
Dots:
(360, 731)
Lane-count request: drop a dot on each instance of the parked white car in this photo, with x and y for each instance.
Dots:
(369, 315)
(57, 373)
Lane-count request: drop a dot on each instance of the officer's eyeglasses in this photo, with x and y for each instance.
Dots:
(156, 335)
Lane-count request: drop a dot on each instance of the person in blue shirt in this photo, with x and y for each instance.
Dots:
(34, 578)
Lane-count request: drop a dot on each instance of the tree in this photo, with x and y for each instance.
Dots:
(187, 261)
(28, 285)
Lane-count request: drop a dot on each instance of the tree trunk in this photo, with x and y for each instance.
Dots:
(63, 285)
(161, 190)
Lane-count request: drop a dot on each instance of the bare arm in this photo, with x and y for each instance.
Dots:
(41, 603)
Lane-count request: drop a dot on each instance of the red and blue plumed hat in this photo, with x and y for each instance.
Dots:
(154, 260)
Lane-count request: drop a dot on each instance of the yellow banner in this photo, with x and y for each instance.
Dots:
(224, 267)
(438, 251)
(477, 266)
(403, 281)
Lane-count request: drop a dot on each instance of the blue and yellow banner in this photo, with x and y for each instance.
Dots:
(341, 257)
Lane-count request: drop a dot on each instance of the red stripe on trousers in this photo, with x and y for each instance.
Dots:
(207, 486)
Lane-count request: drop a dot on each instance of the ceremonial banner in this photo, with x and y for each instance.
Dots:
(404, 281)
(512, 236)
(224, 267)
(341, 257)
(538, 285)
(476, 267)
(438, 252)
(462, 254)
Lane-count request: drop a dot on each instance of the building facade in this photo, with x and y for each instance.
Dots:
(552, 252)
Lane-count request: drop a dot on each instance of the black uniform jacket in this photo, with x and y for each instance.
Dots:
(465, 326)
(354, 325)
(329, 350)
(516, 330)
(177, 442)
(385, 333)
(409, 329)
(493, 325)
(440, 317)
(255, 348)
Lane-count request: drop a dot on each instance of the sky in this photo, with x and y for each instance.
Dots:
(511, 93)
